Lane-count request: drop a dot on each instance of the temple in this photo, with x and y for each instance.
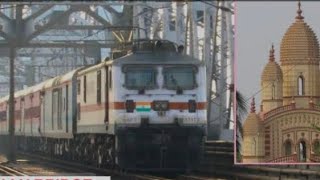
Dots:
(284, 129)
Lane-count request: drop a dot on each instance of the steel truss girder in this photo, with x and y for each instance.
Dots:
(65, 45)
(8, 34)
(96, 16)
(111, 10)
(4, 17)
(52, 22)
(40, 12)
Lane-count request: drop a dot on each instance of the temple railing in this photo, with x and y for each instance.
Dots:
(281, 109)
(278, 110)
(317, 107)
(290, 158)
(314, 157)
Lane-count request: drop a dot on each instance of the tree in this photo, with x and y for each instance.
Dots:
(241, 111)
(316, 144)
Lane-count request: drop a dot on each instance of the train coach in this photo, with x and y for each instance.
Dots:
(143, 111)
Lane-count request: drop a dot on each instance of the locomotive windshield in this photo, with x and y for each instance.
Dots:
(140, 78)
(179, 77)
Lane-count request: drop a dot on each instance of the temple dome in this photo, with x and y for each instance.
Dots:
(252, 125)
(299, 42)
(272, 70)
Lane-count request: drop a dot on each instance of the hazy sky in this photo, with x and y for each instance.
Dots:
(258, 25)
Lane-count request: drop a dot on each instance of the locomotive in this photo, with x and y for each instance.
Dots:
(143, 111)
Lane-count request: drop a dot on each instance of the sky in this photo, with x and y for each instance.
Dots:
(258, 25)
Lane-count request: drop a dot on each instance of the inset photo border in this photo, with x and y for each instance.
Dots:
(278, 83)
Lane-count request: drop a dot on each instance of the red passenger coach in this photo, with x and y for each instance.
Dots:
(34, 113)
(3, 116)
(28, 99)
(17, 115)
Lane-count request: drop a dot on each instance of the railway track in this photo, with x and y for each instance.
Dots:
(57, 163)
(216, 164)
(147, 177)
(76, 167)
(8, 171)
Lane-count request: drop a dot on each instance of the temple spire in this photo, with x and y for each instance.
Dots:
(253, 106)
(271, 55)
(299, 16)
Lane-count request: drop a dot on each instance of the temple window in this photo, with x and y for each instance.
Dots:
(300, 85)
(316, 147)
(302, 151)
(253, 147)
(273, 91)
(287, 148)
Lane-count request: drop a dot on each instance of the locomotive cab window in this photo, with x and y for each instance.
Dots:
(180, 77)
(140, 77)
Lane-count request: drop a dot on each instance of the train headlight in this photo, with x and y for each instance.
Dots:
(160, 105)
(192, 106)
(164, 105)
(156, 106)
(130, 106)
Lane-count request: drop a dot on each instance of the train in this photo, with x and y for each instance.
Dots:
(145, 110)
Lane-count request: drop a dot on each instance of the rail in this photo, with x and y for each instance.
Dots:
(146, 177)
(290, 158)
(10, 171)
(98, 171)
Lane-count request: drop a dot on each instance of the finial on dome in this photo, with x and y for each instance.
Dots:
(299, 11)
(271, 55)
(253, 106)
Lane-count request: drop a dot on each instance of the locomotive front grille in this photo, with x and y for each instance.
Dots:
(161, 113)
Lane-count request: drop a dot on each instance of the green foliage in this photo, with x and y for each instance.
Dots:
(241, 111)
(316, 127)
(239, 157)
(316, 145)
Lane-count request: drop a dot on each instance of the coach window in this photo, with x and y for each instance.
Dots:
(78, 111)
(110, 79)
(22, 112)
(99, 86)
(31, 106)
(79, 86)
(85, 88)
